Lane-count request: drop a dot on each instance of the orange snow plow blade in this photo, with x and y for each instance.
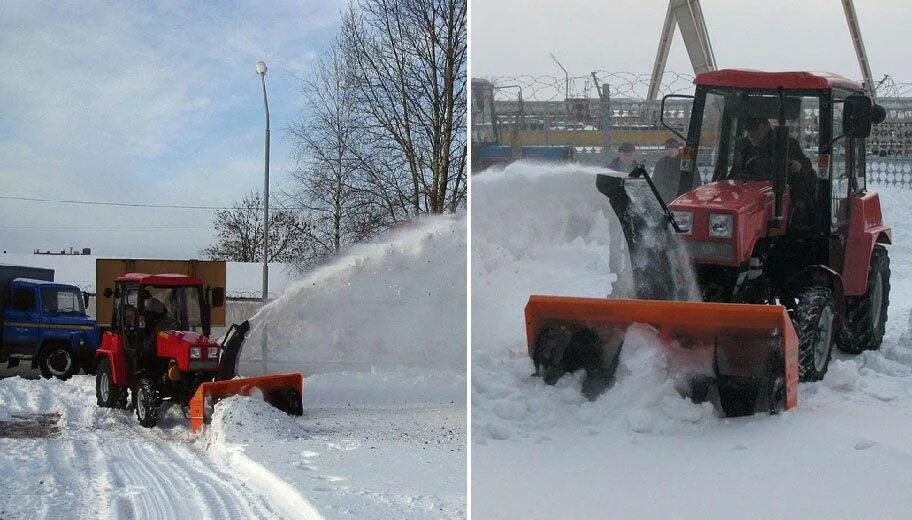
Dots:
(753, 348)
(282, 391)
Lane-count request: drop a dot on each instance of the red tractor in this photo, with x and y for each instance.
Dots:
(786, 222)
(158, 349)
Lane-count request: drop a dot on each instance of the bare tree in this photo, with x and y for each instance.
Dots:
(344, 201)
(409, 58)
(240, 234)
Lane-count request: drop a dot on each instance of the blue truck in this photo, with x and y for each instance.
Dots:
(45, 322)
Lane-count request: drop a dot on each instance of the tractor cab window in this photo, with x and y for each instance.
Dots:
(179, 306)
(130, 312)
(842, 158)
(736, 136)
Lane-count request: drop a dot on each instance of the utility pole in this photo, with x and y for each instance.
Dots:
(261, 70)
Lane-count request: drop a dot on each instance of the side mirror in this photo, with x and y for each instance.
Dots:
(878, 114)
(662, 115)
(218, 296)
(85, 299)
(857, 116)
(108, 292)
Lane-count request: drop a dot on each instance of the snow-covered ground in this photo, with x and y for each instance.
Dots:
(641, 451)
(383, 433)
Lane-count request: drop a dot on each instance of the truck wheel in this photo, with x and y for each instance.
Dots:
(814, 317)
(56, 360)
(771, 391)
(107, 394)
(866, 315)
(147, 403)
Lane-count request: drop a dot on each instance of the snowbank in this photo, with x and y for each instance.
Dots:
(397, 302)
(536, 229)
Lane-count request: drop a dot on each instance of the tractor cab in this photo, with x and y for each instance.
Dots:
(784, 153)
(150, 305)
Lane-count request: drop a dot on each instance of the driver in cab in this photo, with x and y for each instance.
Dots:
(753, 160)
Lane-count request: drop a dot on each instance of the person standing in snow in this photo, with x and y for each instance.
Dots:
(624, 161)
(667, 172)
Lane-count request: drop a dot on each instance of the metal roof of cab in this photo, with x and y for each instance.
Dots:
(159, 279)
(746, 78)
(32, 281)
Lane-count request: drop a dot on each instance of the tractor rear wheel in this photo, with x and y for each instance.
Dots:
(147, 403)
(866, 315)
(107, 394)
(814, 316)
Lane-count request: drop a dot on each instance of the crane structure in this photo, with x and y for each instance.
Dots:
(687, 15)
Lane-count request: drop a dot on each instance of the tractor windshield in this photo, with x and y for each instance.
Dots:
(181, 304)
(736, 133)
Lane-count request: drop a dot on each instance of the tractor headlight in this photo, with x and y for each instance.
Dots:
(684, 220)
(196, 352)
(720, 225)
(213, 352)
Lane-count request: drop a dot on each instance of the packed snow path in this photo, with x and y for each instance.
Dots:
(101, 464)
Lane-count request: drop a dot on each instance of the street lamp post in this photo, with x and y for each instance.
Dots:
(261, 70)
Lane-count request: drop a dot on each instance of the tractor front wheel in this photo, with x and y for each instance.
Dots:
(866, 315)
(147, 403)
(814, 316)
(107, 394)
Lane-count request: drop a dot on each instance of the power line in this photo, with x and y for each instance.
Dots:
(135, 204)
(101, 228)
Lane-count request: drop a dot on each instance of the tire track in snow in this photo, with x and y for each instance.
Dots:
(104, 465)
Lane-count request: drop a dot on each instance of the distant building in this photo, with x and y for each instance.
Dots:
(70, 251)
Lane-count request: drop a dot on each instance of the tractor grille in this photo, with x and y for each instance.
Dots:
(711, 251)
(210, 364)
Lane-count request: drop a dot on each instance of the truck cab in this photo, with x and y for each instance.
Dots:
(46, 322)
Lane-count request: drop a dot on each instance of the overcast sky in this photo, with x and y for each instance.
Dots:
(514, 37)
(151, 102)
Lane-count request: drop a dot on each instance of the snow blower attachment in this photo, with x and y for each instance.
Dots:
(283, 391)
(753, 349)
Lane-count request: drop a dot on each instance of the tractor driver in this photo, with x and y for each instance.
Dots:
(157, 319)
(753, 160)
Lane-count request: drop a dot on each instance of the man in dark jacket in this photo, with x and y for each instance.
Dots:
(667, 172)
(753, 160)
(624, 162)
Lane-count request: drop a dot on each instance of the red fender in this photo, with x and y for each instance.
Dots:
(112, 348)
(866, 228)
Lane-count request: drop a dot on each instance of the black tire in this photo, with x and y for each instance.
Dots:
(814, 317)
(771, 390)
(57, 360)
(148, 403)
(864, 325)
(107, 394)
(737, 395)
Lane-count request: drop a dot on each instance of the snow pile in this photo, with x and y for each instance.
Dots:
(247, 420)
(397, 302)
(545, 229)
(645, 398)
(536, 229)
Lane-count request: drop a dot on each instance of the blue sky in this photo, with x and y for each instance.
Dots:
(144, 102)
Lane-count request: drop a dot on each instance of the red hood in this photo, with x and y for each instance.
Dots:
(189, 337)
(729, 196)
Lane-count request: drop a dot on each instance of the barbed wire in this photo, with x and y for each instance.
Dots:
(629, 85)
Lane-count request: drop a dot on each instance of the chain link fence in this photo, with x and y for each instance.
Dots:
(585, 118)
